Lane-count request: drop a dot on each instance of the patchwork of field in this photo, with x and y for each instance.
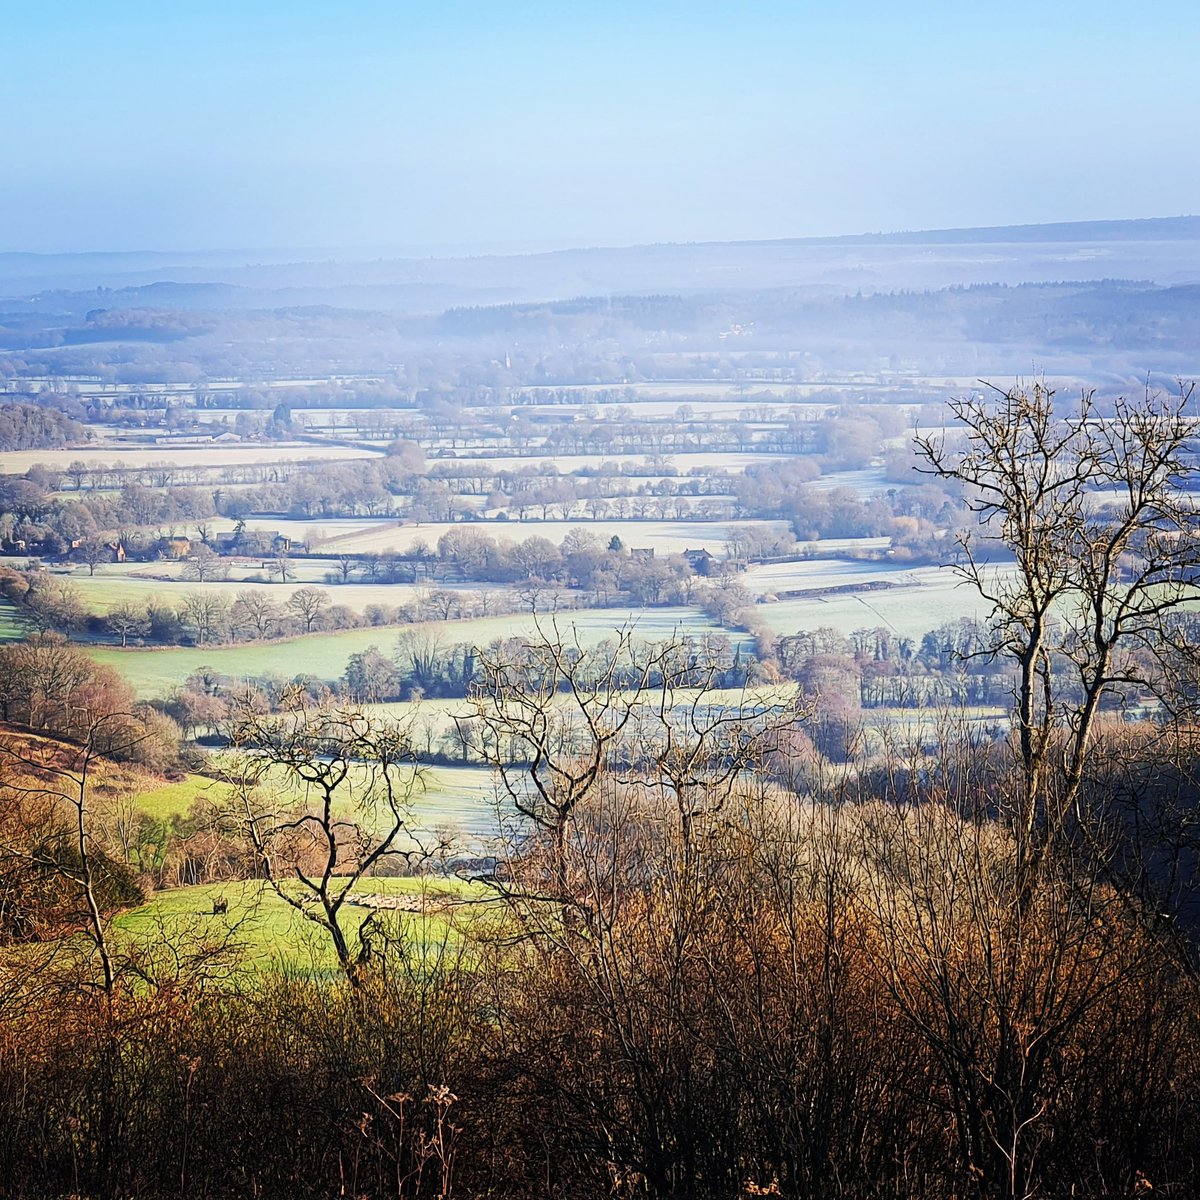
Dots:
(88, 385)
(725, 404)
(312, 417)
(732, 406)
(471, 791)
(429, 720)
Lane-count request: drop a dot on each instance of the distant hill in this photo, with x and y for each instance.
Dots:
(1164, 251)
(1143, 229)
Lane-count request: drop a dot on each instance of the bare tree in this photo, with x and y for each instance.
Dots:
(128, 620)
(63, 774)
(539, 594)
(77, 472)
(93, 552)
(559, 723)
(356, 777)
(1000, 942)
(206, 614)
(281, 565)
(255, 611)
(1002, 982)
(444, 603)
(1104, 549)
(346, 565)
(418, 652)
(53, 603)
(307, 604)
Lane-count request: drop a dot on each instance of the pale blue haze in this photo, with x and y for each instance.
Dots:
(519, 125)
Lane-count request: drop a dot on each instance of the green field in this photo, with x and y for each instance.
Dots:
(154, 672)
(817, 573)
(176, 799)
(928, 597)
(11, 623)
(262, 931)
(458, 802)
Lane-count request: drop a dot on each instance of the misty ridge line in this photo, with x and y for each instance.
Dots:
(1156, 251)
(1181, 227)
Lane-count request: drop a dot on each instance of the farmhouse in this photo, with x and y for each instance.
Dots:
(266, 541)
(254, 541)
(174, 547)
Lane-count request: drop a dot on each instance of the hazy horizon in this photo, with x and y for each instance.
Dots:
(376, 253)
(477, 128)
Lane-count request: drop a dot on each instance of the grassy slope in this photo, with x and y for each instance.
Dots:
(268, 933)
(109, 782)
(175, 799)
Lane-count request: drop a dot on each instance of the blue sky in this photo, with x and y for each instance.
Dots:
(447, 125)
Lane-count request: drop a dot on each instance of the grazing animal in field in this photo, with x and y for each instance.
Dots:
(220, 906)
